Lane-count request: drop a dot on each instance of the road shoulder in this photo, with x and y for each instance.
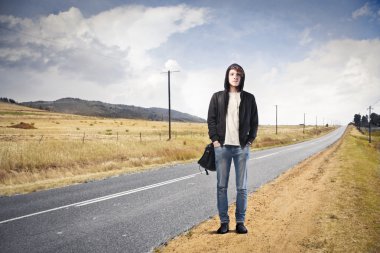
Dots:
(302, 210)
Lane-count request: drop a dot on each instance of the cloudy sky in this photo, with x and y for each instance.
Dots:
(321, 58)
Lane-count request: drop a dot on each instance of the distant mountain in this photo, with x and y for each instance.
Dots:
(100, 109)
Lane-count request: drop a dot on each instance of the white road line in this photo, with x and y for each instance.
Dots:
(287, 149)
(256, 158)
(134, 190)
(91, 201)
(295, 148)
(33, 214)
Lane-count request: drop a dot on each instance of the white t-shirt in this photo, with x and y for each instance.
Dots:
(232, 120)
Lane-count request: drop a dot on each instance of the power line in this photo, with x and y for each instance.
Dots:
(372, 104)
(378, 101)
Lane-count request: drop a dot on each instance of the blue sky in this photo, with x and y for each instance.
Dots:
(313, 57)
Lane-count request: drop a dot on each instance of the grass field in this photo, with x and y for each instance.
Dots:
(52, 149)
(354, 215)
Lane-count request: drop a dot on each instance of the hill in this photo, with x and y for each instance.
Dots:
(101, 109)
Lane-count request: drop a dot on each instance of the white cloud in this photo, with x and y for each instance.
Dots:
(305, 37)
(68, 54)
(18, 54)
(171, 65)
(104, 48)
(139, 29)
(362, 11)
(270, 76)
(333, 82)
(196, 89)
(103, 57)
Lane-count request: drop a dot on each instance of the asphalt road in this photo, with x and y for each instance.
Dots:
(135, 212)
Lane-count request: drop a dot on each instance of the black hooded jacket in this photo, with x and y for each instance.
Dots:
(248, 117)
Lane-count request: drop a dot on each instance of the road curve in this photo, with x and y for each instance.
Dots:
(133, 212)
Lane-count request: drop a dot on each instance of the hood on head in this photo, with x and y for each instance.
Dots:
(227, 83)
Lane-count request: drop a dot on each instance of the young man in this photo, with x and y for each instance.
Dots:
(232, 123)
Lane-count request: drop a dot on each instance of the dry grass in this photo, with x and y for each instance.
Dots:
(351, 223)
(287, 135)
(65, 149)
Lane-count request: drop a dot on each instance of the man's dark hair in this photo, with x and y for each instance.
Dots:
(240, 70)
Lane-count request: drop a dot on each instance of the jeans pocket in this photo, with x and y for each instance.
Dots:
(217, 149)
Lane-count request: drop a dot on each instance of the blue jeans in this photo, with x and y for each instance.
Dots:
(223, 159)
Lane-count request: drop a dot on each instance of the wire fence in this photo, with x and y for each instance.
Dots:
(90, 137)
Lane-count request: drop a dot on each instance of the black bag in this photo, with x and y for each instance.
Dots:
(207, 160)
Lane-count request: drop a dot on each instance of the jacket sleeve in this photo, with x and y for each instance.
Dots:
(212, 118)
(254, 123)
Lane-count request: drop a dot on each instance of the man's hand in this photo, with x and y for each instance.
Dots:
(216, 144)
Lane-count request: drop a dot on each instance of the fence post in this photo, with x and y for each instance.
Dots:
(84, 134)
(41, 139)
(140, 137)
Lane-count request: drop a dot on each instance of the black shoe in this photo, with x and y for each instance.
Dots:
(224, 228)
(240, 228)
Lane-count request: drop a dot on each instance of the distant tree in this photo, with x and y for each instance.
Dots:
(357, 119)
(7, 100)
(375, 119)
(365, 120)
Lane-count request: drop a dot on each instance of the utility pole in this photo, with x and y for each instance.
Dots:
(369, 124)
(316, 122)
(276, 119)
(304, 123)
(170, 123)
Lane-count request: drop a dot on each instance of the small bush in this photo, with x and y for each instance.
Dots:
(23, 125)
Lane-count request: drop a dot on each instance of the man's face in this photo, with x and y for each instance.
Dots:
(234, 78)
